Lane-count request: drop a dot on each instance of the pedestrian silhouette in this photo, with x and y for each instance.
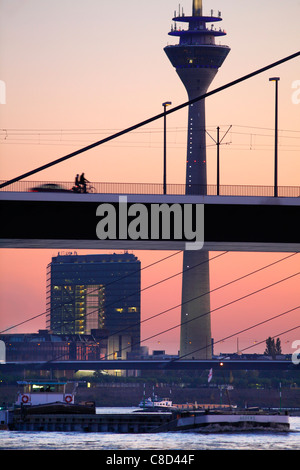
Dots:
(83, 182)
(77, 184)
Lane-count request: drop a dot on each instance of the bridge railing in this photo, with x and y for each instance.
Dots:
(155, 188)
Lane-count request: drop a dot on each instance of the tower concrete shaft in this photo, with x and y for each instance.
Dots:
(196, 59)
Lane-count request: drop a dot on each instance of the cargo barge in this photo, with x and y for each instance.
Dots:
(144, 422)
(36, 412)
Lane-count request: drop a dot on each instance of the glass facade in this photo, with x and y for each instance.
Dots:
(87, 292)
(192, 56)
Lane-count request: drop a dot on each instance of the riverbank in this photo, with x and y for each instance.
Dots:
(130, 394)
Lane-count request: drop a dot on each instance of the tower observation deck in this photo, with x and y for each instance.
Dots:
(196, 59)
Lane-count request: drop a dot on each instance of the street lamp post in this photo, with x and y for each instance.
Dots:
(165, 104)
(218, 161)
(276, 80)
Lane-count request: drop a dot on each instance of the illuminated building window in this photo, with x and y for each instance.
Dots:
(82, 297)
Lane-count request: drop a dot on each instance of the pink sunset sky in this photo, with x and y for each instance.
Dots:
(76, 71)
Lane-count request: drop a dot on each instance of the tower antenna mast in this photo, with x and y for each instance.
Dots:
(197, 7)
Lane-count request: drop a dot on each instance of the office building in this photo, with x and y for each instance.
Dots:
(96, 292)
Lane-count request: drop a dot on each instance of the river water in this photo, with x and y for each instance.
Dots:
(235, 440)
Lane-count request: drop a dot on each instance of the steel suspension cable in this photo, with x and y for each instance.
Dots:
(149, 120)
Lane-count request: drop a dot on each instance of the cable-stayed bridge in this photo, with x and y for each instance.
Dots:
(232, 222)
(234, 219)
(159, 365)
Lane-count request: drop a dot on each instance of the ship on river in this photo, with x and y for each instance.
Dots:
(49, 406)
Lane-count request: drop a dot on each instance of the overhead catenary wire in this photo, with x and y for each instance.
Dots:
(8, 134)
(152, 119)
(63, 137)
(41, 131)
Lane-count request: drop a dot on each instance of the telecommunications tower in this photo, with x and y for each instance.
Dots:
(197, 59)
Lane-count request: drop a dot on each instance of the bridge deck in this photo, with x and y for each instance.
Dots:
(68, 221)
(195, 364)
